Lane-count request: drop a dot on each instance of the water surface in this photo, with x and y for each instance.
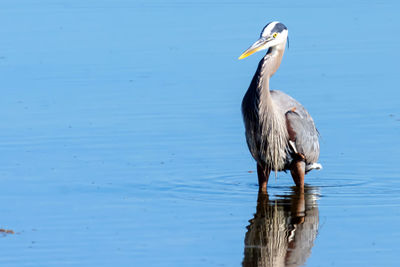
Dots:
(122, 140)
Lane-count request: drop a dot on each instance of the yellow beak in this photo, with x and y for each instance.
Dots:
(260, 44)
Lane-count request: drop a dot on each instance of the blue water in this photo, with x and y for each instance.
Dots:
(122, 142)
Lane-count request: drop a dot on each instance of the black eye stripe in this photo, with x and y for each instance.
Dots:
(279, 27)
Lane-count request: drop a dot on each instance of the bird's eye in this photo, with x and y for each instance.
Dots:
(274, 35)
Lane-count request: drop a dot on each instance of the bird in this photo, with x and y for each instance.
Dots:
(280, 133)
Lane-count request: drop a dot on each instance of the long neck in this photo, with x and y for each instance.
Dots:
(269, 65)
(272, 120)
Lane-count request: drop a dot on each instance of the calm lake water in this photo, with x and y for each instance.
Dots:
(122, 142)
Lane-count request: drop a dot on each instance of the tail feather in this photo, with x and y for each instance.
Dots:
(313, 166)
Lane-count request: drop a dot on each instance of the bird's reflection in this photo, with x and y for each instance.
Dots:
(283, 229)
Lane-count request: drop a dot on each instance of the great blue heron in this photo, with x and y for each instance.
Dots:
(280, 133)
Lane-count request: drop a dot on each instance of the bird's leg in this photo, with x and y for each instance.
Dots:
(297, 170)
(263, 175)
(298, 206)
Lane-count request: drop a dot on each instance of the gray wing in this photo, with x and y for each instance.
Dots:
(303, 136)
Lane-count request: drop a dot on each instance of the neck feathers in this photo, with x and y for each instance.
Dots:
(272, 60)
(271, 119)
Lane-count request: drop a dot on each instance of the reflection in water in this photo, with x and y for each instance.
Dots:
(283, 230)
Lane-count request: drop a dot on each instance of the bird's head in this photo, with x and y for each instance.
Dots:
(274, 34)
